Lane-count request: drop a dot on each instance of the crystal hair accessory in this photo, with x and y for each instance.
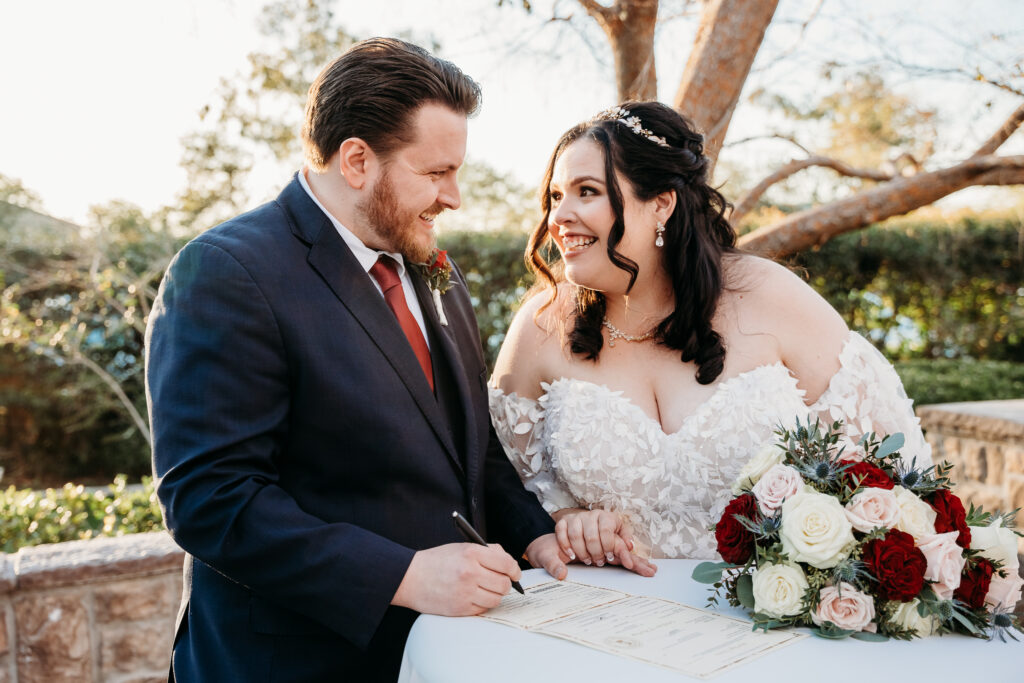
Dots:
(630, 121)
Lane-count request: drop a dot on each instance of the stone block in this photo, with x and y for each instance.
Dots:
(1013, 460)
(982, 495)
(974, 464)
(128, 648)
(136, 600)
(145, 679)
(53, 638)
(1014, 488)
(995, 463)
(949, 449)
(98, 559)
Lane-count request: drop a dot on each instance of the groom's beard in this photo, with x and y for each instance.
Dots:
(397, 227)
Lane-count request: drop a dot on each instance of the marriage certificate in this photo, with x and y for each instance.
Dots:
(686, 639)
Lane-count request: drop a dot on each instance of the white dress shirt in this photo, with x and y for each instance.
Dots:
(367, 257)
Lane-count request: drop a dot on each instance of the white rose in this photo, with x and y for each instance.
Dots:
(945, 562)
(917, 517)
(769, 455)
(779, 589)
(873, 508)
(846, 607)
(777, 484)
(996, 542)
(815, 529)
(906, 616)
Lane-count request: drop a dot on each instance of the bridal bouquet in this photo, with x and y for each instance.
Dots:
(851, 540)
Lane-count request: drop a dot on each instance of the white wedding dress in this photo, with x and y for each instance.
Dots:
(584, 445)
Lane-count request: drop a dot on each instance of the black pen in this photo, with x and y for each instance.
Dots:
(473, 537)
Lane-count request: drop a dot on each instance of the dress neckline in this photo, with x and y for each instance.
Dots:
(701, 407)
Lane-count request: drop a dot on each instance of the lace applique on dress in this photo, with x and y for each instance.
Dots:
(584, 445)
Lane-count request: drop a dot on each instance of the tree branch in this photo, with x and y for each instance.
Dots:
(896, 197)
(744, 206)
(1000, 136)
(728, 38)
(604, 15)
(140, 423)
(773, 136)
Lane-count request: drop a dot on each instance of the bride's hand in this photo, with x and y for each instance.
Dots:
(599, 537)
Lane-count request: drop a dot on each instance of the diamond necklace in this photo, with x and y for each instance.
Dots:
(615, 333)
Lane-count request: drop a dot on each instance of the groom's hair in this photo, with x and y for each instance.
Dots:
(372, 91)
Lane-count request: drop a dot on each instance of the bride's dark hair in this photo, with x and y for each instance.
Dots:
(696, 234)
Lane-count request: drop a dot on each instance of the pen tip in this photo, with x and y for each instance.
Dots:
(455, 514)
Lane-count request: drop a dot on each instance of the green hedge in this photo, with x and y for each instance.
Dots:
(73, 513)
(929, 290)
(966, 379)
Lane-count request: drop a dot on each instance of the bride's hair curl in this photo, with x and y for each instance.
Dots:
(696, 235)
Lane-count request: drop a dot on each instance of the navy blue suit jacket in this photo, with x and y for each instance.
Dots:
(300, 455)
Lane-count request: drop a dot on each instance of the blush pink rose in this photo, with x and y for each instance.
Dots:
(945, 562)
(873, 508)
(1004, 593)
(775, 485)
(846, 607)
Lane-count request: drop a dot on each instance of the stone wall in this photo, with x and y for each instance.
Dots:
(100, 610)
(984, 440)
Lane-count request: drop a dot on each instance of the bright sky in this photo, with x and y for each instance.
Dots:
(97, 95)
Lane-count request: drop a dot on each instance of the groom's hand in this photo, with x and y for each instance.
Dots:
(543, 551)
(457, 580)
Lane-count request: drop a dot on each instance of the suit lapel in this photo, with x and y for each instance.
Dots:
(450, 350)
(335, 263)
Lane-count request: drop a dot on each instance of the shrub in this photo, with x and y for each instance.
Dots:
(72, 513)
(952, 381)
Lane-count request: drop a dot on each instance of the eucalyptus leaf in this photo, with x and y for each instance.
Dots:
(890, 445)
(710, 572)
(870, 637)
(832, 633)
(965, 622)
(745, 590)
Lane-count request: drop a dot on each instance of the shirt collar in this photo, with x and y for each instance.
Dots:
(366, 256)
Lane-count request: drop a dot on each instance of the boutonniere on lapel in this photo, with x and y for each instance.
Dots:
(438, 274)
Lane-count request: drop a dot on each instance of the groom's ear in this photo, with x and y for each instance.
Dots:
(357, 162)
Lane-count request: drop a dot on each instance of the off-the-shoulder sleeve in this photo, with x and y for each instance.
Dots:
(868, 396)
(519, 423)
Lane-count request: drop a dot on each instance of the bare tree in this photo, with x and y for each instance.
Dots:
(728, 38)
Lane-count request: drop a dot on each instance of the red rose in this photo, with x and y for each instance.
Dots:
(950, 516)
(735, 541)
(897, 564)
(869, 476)
(974, 584)
(440, 259)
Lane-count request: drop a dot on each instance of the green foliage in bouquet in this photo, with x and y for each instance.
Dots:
(72, 513)
(851, 540)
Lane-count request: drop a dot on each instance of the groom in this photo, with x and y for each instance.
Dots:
(319, 412)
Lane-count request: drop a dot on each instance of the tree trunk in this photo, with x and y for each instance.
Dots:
(629, 25)
(818, 225)
(728, 38)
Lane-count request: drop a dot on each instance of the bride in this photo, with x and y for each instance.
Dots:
(658, 359)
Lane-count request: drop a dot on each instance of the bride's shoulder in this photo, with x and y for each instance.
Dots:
(770, 292)
(531, 343)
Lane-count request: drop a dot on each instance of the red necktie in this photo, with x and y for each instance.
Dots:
(385, 272)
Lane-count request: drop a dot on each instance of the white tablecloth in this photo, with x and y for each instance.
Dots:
(471, 650)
